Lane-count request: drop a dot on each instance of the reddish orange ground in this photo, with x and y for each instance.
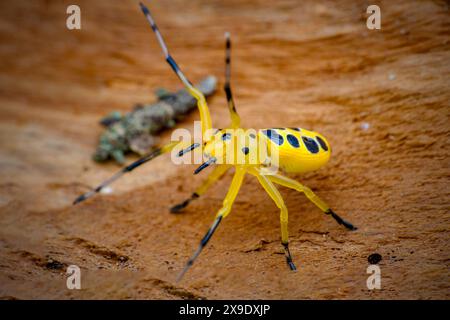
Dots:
(313, 65)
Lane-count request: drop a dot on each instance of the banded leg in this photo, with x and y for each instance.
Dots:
(278, 199)
(127, 169)
(235, 119)
(197, 94)
(215, 175)
(222, 213)
(291, 183)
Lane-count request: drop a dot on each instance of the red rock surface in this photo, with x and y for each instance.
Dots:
(381, 97)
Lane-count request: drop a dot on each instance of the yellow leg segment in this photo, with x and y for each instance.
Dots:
(278, 199)
(222, 213)
(232, 192)
(291, 183)
(215, 175)
(205, 117)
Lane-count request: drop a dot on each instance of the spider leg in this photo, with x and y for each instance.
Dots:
(126, 169)
(214, 176)
(235, 119)
(222, 213)
(291, 183)
(193, 146)
(201, 101)
(278, 199)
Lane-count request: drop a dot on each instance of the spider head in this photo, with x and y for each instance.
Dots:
(233, 147)
(217, 148)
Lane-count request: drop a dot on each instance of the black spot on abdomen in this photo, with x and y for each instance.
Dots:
(322, 143)
(310, 144)
(293, 141)
(274, 136)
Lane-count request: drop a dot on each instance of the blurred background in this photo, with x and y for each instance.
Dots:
(381, 97)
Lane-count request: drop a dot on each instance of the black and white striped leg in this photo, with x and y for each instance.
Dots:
(235, 119)
(177, 208)
(188, 149)
(203, 243)
(197, 94)
(126, 169)
(163, 45)
(341, 221)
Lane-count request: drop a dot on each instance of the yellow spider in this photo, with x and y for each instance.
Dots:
(298, 150)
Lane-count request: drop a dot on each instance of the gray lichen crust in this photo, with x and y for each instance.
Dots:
(136, 130)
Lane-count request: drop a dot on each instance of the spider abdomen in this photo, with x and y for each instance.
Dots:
(298, 150)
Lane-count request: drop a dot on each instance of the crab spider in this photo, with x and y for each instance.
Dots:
(298, 151)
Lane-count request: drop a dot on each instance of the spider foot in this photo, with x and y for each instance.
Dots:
(289, 257)
(339, 220)
(177, 208)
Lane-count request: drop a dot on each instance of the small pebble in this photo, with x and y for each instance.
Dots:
(374, 258)
(106, 190)
(365, 126)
